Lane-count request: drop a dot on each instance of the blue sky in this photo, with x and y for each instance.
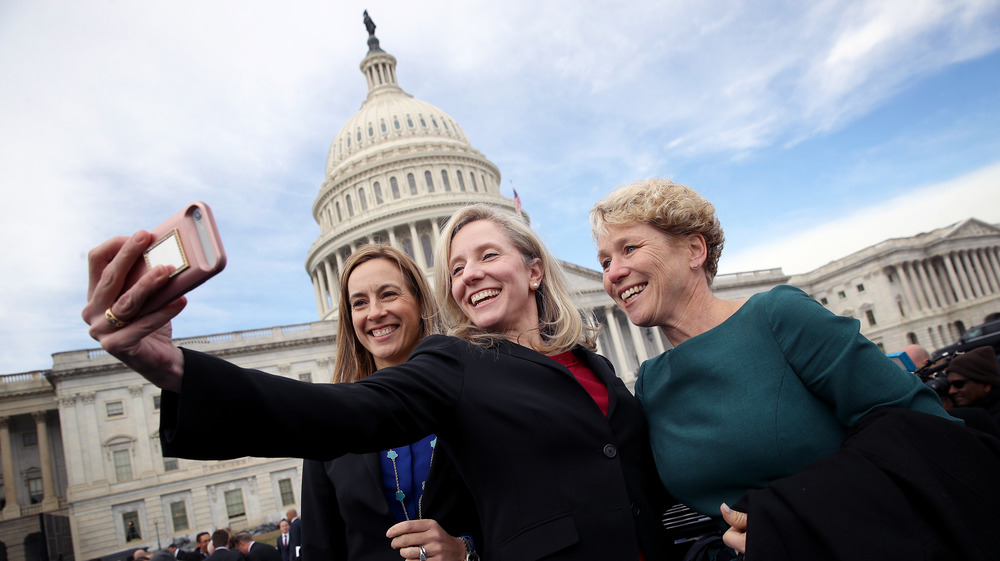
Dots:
(817, 128)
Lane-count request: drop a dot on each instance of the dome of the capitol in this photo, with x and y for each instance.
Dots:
(396, 171)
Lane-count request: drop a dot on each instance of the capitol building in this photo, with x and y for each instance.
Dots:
(82, 474)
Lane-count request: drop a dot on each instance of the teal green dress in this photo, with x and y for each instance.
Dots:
(771, 389)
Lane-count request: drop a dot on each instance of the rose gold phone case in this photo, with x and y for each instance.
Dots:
(188, 240)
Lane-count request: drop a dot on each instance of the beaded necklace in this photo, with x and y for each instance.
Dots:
(400, 495)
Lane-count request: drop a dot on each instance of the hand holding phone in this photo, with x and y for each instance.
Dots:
(188, 240)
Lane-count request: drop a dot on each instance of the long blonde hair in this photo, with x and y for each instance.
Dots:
(560, 323)
(354, 362)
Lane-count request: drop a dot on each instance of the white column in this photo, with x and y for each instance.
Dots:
(616, 337)
(936, 296)
(638, 341)
(332, 283)
(977, 261)
(11, 509)
(320, 304)
(963, 261)
(921, 286)
(956, 283)
(392, 239)
(49, 498)
(435, 232)
(911, 298)
(657, 339)
(994, 264)
(418, 248)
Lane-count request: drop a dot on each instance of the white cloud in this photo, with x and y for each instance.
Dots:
(925, 208)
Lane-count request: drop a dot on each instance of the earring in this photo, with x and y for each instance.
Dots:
(534, 286)
(696, 265)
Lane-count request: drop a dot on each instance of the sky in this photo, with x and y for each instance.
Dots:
(816, 128)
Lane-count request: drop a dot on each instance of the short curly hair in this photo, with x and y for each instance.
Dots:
(674, 209)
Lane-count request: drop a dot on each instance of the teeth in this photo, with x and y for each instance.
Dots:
(483, 295)
(383, 331)
(628, 294)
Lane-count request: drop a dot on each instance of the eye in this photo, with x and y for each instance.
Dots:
(606, 264)
(390, 295)
(457, 271)
(630, 249)
(358, 304)
(490, 255)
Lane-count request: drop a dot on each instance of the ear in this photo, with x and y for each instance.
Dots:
(535, 271)
(697, 249)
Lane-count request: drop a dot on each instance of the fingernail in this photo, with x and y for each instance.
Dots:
(138, 237)
(726, 508)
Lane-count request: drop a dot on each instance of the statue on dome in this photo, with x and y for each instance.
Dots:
(369, 24)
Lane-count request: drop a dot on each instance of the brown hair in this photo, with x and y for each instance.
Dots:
(354, 362)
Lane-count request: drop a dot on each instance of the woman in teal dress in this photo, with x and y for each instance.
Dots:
(753, 389)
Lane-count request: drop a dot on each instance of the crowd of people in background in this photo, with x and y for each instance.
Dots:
(226, 545)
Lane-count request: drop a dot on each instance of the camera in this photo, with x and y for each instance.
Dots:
(933, 376)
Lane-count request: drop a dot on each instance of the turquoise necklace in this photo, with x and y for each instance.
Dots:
(400, 495)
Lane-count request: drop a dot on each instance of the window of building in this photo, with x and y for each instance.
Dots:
(475, 188)
(444, 180)
(156, 402)
(483, 178)
(430, 181)
(871, 317)
(899, 304)
(350, 206)
(434, 122)
(378, 193)
(412, 182)
(35, 493)
(395, 123)
(179, 515)
(881, 347)
(423, 123)
(131, 521)
(123, 465)
(444, 124)
(287, 493)
(340, 217)
(912, 338)
(359, 136)
(234, 504)
(891, 277)
(408, 247)
(371, 131)
(395, 187)
(363, 198)
(824, 301)
(384, 129)
(842, 294)
(115, 409)
(306, 377)
(30, 438)
(170, 464)
(861, 288)
(461, 181)
(409, 121)
(425, 242)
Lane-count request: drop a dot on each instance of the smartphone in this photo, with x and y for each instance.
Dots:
(188, 240)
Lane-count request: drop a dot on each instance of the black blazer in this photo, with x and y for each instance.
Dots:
(551, 475)
(262, 552)
(345, 513)
(295, 537)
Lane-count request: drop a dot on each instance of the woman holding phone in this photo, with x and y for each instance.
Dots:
(551, 444)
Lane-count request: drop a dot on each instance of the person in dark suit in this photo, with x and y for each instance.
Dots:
(283, 542)
(255, 551)
(222, 551)
(386, 308)
(294, 533)
(550, 442)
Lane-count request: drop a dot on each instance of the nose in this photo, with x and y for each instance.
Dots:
(616, 271)
(375, 310)
(471, 274)
(952, 390)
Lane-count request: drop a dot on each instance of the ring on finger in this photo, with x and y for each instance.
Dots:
(423, 553)
(113, 320)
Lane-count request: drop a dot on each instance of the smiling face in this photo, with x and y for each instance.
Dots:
(384, 311)
(965, 392)
(490, 281)
(647, 274)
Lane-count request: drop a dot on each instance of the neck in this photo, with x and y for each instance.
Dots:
(701, 312)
